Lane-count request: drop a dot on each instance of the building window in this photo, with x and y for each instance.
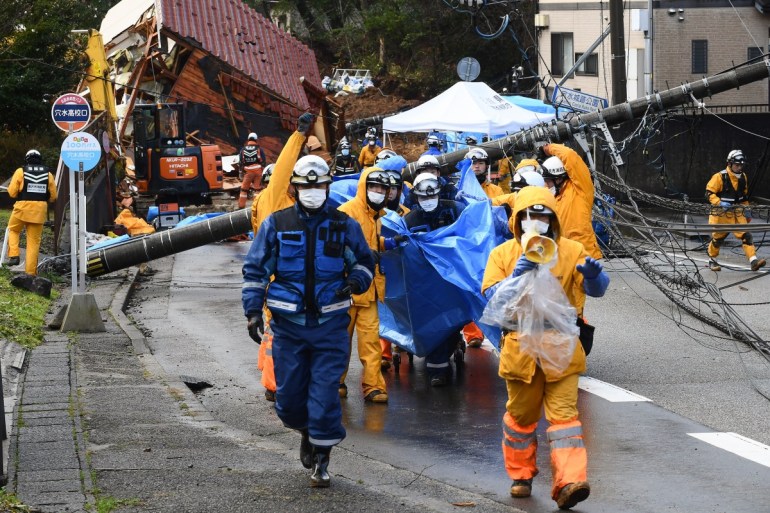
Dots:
(755, 52)
(700, 56)
(589, 67)
(561, 53)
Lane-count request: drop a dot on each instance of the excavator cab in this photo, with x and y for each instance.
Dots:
(165, 165)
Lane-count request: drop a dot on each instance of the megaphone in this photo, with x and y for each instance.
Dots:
(538, 248)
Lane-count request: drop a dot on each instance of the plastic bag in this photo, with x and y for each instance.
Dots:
(535, 306)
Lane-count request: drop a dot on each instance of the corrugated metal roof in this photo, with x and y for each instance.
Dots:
(246, 40)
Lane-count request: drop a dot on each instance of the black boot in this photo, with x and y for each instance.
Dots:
(305, 450)
(320, 477)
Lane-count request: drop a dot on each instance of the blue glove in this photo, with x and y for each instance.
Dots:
(304, 123)
(523, 265)
(725, 204)
(591, 269)
(747, 214)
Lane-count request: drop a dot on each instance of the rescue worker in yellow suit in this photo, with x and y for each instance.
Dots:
(505, 171)
(480, 167)
(367, 207)
(530, 387)
(728, 190)
(369, 152)
(569, 179)
(278, 194)
(33, 187)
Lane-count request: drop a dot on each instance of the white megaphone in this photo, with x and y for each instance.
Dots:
(538, 248)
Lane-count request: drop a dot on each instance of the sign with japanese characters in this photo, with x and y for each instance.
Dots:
(577, 100)
(71, 112)
(81, 151)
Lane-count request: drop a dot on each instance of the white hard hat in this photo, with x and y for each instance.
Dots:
(310, 169)
(427, 161)
(525, 177)
(477, 154)
(253, 136)
(553, 167)
(426, 184)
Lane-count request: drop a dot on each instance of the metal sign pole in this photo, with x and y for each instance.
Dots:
(73, 231)
(82, 230)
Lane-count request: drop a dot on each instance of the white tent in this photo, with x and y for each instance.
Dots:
(466, 107)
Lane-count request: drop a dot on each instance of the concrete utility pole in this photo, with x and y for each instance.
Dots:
(618, 49)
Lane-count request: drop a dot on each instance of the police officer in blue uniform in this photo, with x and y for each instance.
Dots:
(431, 213)
(318, 257)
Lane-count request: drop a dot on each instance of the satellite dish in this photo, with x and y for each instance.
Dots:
(468, 69)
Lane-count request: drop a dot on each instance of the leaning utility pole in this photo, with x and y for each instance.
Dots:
(618, 49)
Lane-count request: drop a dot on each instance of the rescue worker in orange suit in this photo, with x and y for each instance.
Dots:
(304, 264)
(277, 194)
(728, 192)
(251, 159)
(528, 172)
(432, 213)
(33, 187)
(569, 179)
(530, 388)
(369, 152)
(367, 207)
(480, 167)
(505, 171)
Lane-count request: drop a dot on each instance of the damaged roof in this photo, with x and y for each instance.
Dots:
(246, 40)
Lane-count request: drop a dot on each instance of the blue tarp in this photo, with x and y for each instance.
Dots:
(197, 218)
(531, 104)
(109, 242)
(433, 283)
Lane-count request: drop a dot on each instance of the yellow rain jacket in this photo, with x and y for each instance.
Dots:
(717, 186)
(491, 190)
(514, 364)
(276, 195)
(576, 199)
(504, 172)
(368, 155)
(369, 219)
(30, 211)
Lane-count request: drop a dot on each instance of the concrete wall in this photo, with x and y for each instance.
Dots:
(695, 148)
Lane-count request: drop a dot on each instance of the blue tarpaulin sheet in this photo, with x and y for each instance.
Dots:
(196, 218)
(433, 283)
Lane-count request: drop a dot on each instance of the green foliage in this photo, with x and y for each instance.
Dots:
(10, 503)
(109, 504)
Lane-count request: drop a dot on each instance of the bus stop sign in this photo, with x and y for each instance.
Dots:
(71, 112)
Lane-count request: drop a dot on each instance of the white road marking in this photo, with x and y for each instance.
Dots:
(737, 444)
(609, 392)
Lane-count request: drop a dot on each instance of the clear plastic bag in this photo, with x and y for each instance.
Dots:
(535, 306)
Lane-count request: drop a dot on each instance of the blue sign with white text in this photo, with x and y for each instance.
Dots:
(577, 100)
(81, 148)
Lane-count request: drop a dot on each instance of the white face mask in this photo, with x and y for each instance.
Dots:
(345, 152)
(312, 199)
(429, 205)
(532, 225)
(375, 198)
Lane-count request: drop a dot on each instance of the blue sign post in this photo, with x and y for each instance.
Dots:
(81, 152)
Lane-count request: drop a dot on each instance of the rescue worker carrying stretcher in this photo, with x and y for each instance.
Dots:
(728, 191)
(429, 214)
(530, 387)
(34, 187)
(367, 207)
(318, 257)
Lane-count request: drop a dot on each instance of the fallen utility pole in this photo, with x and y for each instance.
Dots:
(166, 243)
(557, 131)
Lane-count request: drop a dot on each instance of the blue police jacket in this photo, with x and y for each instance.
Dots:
(446, 213)
(311, 257)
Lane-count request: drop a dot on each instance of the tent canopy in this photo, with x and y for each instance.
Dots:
(468, 107)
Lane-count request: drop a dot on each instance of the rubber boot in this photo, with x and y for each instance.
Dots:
(305, 449)
(320, 477)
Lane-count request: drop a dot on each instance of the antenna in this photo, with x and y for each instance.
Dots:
(468, 69)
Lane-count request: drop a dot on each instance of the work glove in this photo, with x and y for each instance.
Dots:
(376, 255)
(725, 204)
(399, 239)
(304, 123)
(523, 265)
(256, 327)
(352, 286)
(591, 269)
(540, 150)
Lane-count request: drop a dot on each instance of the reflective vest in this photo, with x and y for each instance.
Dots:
(728, 193)
(35, 185)
(344, 165)
(250, 155)
(309, 262)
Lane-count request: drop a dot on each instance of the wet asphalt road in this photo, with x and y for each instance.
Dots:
(641, 457)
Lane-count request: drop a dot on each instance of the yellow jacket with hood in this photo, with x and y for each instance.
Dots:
(276, 195)
(369, 219)
(34, 212)
(514, 364)
(715, 187)
(576, 199)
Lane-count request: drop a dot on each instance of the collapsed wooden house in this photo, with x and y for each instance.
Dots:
(235, 71)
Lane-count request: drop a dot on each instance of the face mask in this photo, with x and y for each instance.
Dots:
(531, 225)
(429, 205)
(553, 190)
(371, 143)
(375, 198)
(312, 199)
(345, 152)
